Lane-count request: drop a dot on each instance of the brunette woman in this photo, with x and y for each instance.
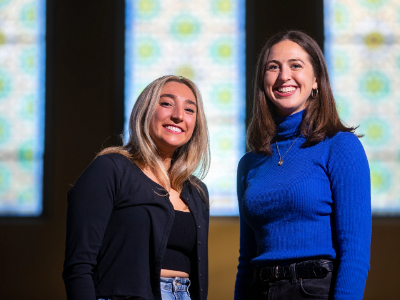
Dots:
(304, 189)
(137, 222)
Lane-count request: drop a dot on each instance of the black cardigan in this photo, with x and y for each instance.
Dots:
(118, 223)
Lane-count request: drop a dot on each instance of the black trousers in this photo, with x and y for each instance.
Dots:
(284, 289)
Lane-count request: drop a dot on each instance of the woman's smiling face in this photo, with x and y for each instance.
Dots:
(174, 119)
(289, 78)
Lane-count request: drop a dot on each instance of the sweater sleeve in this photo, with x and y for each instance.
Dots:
(351, 191)
(90, 203)
(248, 246)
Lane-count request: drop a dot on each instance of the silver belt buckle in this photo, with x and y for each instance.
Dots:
(276, 272)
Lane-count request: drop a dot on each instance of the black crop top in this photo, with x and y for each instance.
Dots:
(181, 242)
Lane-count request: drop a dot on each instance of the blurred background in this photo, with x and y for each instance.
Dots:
(70, 72)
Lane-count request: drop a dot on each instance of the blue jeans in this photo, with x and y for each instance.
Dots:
(174, 288)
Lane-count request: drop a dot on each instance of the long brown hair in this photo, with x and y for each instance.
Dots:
(193, 157)
(320, 119)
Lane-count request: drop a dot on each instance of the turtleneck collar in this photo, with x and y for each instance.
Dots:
(287, 127)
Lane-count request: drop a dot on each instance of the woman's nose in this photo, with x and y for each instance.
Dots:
(285, 74)
(177, 114)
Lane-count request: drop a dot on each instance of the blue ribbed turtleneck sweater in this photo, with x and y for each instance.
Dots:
(316, 204)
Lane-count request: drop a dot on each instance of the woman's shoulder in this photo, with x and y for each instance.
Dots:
(117, 157)
(345, 140)
(345, 136)
(103, 170)
(248, 157)
(114, 165)
(249, 161)
(346, 145)
(108, 164)
(114, 160)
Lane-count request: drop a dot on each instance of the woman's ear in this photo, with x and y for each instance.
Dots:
(315, 84)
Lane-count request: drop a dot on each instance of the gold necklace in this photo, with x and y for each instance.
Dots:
(281, 157)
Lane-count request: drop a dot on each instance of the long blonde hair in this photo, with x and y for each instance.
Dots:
(191, 158)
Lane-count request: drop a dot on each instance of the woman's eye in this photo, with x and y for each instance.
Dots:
(297, 66)
(165, 104)
(190, 110)
(272, 67)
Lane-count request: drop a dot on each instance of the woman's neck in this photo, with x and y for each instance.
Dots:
(288, 127)
(166, 160)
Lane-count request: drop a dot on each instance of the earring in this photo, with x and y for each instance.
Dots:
(314, 93)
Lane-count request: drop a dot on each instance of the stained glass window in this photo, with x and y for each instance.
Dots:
(22, 76)
(205, 42)
(362, 49)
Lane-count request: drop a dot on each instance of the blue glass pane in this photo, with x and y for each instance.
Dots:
(362, 52)
(22, 79)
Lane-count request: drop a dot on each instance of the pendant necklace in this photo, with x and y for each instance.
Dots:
(281, 157)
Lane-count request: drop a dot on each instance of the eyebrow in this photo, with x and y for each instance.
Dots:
(174, 97)
(290, 60)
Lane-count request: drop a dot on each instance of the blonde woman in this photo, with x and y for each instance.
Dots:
(137, 221)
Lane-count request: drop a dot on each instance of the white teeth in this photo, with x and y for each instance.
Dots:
(173, 128)
(288, 89)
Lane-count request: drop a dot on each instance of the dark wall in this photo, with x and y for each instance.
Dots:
(266, 18)
(85, 113)
(84, 98)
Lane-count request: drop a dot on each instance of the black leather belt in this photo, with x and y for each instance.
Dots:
(306, 269)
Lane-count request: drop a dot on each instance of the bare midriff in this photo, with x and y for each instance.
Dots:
(173, 273)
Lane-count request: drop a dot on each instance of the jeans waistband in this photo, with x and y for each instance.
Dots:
(175, 284)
